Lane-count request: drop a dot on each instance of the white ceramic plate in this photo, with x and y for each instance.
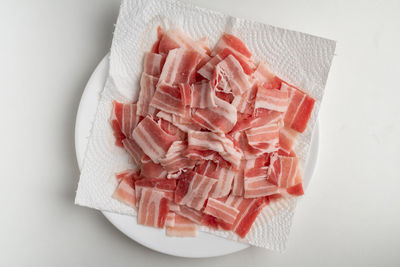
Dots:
(204, 245)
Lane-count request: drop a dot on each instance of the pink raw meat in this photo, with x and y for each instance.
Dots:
(211, 137)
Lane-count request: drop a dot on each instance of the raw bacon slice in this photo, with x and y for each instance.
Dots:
(171, 129)
(262, 117)
(261, 161)
(182, 228)
(125, 115)
(163, 185)
(203, 95)
(174, 160)
(218, 143)
(223, 175)
(193, 189)
(248, 212)
(284, 171)
(153, 64)
(152, 139)
(272, 99)
(227, 97)
(153, 208)
(263, 73)
(238, 180)
(232, 42)
(205, 155)
(198, 155)
(168, 99)
(180, 67)
(186, 94)
(299, 110)
(183, 124)
(229, 76)
(175, 38)
(256, 184)
(265, 138)
(125, 191)
(231, 154)
(244, 122)
(263, 76)
(149, 169)
(212, 222)
(131, 173)
(296, 190)
(134, 150)
(249, 152)
(191, 214)
(118, 135)
(287, 153)
(170, 220)
(221, 210)
(148, 85)
(206, 141)
(203, 42)
(156, 45)
(207, 70)
(269, 117)
(219, 119)
(287, 138)
(173, 206)
(245, 103)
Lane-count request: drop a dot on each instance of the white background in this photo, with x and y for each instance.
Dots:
(350, 215)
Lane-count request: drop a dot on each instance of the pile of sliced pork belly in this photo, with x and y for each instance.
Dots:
(211, 134)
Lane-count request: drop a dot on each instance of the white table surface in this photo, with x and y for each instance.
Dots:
(350, 215)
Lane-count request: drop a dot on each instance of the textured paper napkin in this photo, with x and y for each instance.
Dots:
(300, 59)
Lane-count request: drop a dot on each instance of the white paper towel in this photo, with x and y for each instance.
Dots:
(298, 58)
